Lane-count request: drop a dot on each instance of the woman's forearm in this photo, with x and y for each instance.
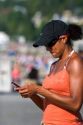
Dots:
(66, 102)
(38, 100)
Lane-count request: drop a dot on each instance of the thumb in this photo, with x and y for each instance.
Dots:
(17, 89)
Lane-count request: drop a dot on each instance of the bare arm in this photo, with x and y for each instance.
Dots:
(38, 100)
(28, 91)
(74, 101)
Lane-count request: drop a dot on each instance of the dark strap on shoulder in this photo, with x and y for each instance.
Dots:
(52, 68)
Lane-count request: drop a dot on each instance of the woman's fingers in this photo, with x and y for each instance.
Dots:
(21, 88)
(26, 95)
(26, 90)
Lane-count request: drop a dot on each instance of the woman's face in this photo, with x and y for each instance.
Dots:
(58, 48)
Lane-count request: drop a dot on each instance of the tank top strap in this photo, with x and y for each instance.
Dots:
(52, 66)
(68, 58)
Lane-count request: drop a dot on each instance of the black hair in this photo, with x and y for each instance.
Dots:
(75, 32)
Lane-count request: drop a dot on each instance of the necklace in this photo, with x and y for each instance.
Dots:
(60, 64)
(71, 53)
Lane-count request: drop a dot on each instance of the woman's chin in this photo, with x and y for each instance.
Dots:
(54, 55)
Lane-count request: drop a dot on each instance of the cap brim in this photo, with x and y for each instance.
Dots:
(39, 42)
(43, 41)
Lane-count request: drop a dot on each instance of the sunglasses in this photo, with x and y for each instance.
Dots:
(49, 45)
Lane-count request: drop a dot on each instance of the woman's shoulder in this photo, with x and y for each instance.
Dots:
(75, 62)
(76, 58)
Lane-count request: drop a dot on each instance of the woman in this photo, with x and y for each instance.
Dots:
(62, 87)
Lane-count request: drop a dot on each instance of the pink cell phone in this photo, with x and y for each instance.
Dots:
(15, 84)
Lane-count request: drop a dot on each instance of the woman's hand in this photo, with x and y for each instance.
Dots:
(27, 90)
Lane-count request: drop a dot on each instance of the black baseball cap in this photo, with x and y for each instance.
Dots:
(51, 31)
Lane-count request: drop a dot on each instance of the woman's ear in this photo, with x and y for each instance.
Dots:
(64, 38)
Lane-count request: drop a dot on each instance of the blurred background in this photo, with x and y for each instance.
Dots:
(20, 24)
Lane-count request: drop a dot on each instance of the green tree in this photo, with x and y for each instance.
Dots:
(16, 15)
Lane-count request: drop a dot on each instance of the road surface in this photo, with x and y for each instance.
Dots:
(15, 110)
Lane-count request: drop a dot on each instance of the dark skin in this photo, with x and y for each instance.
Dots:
(74, 68)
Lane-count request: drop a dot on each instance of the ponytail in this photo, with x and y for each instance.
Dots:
(75, 32)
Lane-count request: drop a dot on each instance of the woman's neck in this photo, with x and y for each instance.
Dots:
(66, 53)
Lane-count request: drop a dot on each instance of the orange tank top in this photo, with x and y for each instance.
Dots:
(53, 115)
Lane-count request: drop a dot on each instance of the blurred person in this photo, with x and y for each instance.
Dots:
(33, 75)
(16, 73)
(60, 96)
